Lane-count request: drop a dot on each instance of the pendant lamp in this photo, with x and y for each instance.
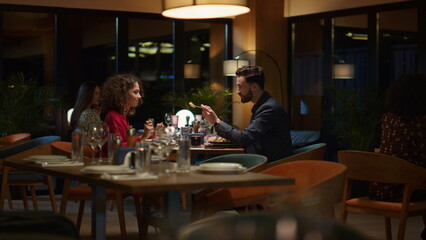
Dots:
(204, 9)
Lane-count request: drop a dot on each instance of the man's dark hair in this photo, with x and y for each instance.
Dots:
(406, 96)
(252, 74)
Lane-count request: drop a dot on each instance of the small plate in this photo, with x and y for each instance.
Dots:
(220, 166)
(112, 169)
(47, 157)
(51, 160)
(219, 171)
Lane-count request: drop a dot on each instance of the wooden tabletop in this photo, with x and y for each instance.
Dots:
(172, 182)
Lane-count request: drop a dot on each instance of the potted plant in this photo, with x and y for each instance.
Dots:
(206, 95)
(23, 105)
(355, 117)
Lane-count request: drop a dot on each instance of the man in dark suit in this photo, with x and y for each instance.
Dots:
(269, 131)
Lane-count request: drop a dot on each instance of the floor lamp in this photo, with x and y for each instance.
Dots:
(231, 66)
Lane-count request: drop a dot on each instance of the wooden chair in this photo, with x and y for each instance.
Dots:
(376, 167)
(13, 140)
(324, 179)
(310, 152)
(84, 193)
(12, 177)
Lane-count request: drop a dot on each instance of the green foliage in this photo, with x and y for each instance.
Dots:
(206, 95)
(356, 117)
(23, 104)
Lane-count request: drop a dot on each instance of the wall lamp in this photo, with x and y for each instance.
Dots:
(204, 9)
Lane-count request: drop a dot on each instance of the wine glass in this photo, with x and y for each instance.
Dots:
(92, 137)
(103, 137)
(167, 119)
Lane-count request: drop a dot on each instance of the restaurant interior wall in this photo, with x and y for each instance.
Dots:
(83, 46)
(306, 7)
(382, 42)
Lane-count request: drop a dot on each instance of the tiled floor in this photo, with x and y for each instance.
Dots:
(369, 225)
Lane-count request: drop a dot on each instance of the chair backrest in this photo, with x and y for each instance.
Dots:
(322, 180)
(120, 154)
(311, 152)
(65, 148)
(253, 162)
(377, 167)
(303, 137)
(14, 139)
(33, 144)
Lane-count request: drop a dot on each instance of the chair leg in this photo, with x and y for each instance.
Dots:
(4, 186)
(139, 216)
(183, 200)
(34, 198)
(147, 203)
(388, 228)
(111, 205)
(120, 211)
(64, 200)
(9, 198)
(24, 197)
(52, 194)
(80, 215)
(343, 213)
(401, 230)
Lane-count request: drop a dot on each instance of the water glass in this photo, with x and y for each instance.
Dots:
(143, 157)
(77, 138)
(175, 121)
(114, 142)
(184, 155)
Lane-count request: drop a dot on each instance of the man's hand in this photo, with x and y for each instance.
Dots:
(209, 115)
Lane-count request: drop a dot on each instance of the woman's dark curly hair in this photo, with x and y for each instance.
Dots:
(114, 93)
(406, 96)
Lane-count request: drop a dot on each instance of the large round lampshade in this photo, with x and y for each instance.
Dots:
(204, 9)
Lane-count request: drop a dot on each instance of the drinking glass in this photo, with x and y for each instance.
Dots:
(175, 121)
(184, 155)
(167, 119)
(103, 137)
(93, 138)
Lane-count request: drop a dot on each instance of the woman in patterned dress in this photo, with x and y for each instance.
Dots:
(403, 133)
(86, 108)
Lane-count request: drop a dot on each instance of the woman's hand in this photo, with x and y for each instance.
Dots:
(148, 128)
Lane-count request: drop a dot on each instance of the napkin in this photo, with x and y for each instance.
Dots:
(127, 177)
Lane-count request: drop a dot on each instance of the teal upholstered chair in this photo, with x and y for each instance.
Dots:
(253, 162)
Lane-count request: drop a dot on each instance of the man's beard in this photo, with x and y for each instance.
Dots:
(248, 97)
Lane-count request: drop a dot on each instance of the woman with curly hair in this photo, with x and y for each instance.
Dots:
(403, 133)
(86, 109)
(121, 94)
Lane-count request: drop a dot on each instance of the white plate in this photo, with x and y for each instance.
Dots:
(47, 157)
(218, 166)
(52, 160)
(113, 169)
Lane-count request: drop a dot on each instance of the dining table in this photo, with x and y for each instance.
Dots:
(171, 185)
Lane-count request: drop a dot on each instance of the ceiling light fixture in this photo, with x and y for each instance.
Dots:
(204, 9)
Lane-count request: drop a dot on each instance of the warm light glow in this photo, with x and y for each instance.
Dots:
(69, 114)
(343, 71)
(204, 9)
(231, 66)
(191, 70)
